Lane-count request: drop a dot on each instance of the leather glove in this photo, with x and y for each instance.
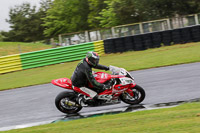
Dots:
(107, 68)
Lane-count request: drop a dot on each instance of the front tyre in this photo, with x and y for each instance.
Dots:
(66, 103)
(138, 96)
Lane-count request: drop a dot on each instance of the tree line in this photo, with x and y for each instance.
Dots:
(30, 23)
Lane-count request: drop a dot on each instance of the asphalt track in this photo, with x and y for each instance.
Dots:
(34, 105)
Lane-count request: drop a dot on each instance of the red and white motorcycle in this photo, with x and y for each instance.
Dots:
(124, 88)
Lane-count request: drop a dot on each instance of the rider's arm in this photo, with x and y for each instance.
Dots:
(92, 80)
(102, 67)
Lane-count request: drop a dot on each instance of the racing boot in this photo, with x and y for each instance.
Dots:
(81, 100)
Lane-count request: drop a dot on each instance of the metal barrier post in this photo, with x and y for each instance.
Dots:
(87, 36)
(196, 19)
(113, 32)
(169, 25)
(60, 39)
(141, 28)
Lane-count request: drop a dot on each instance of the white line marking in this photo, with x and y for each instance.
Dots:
(24, 125)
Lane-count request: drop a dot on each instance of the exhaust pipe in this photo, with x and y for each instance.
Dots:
(71, 103)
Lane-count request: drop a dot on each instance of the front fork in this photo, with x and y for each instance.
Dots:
(129, 91)
(129, 94)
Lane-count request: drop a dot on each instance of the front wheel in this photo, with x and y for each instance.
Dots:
(138, 96)
(66, 103)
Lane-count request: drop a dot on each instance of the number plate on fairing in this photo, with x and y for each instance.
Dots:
(126, 81)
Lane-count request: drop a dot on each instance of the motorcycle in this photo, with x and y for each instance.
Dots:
(123, 89)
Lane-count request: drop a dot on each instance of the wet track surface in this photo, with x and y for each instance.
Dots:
(35, 105)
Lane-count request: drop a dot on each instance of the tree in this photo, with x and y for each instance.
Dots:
(26, 22)
(18, 17)
(23, 21)
(157, 9)
(108, 17)
(45, 5)
(95, 6)
(66, 16)
(118, 12)
(1, 36)
(186, 7)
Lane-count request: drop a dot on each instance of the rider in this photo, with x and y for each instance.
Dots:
(83, 74)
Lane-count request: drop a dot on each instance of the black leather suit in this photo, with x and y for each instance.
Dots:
(83, 74)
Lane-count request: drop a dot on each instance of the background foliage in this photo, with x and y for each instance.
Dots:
(29, 23)
(66, 16)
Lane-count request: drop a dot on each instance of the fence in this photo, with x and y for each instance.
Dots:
(130, 29)
(152, 40)
(48, 57)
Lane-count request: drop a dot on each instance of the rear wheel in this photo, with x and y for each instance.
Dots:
(138, 96)
(66, 103)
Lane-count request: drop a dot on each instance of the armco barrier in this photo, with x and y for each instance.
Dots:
(166, 37)
(56, 55)
(128, 43)
(195, 33)
(186, 35)
(10, 63)
(152, 40)
(156, 39)
(76, 52)
(147, 41)
(176, 36)
(138, 42)
(109, 46)
(119, 44)
(49, 56)
(99, 47)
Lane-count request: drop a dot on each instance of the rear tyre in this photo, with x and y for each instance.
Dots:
(63, 103)
(138, 96)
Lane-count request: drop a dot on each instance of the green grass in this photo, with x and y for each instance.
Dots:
(9, 48)
(181, 119)
(133, 60)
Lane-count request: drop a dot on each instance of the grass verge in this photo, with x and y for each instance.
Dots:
(9, 48)
(181, 119)
(133, 60)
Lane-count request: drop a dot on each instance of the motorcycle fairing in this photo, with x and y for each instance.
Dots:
(63, 82)
(117, 91)
(101, 77)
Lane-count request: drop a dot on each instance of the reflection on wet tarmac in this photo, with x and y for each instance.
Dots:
(175, 103)
(130, 108)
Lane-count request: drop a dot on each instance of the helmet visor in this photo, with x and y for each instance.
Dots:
(94, 61)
